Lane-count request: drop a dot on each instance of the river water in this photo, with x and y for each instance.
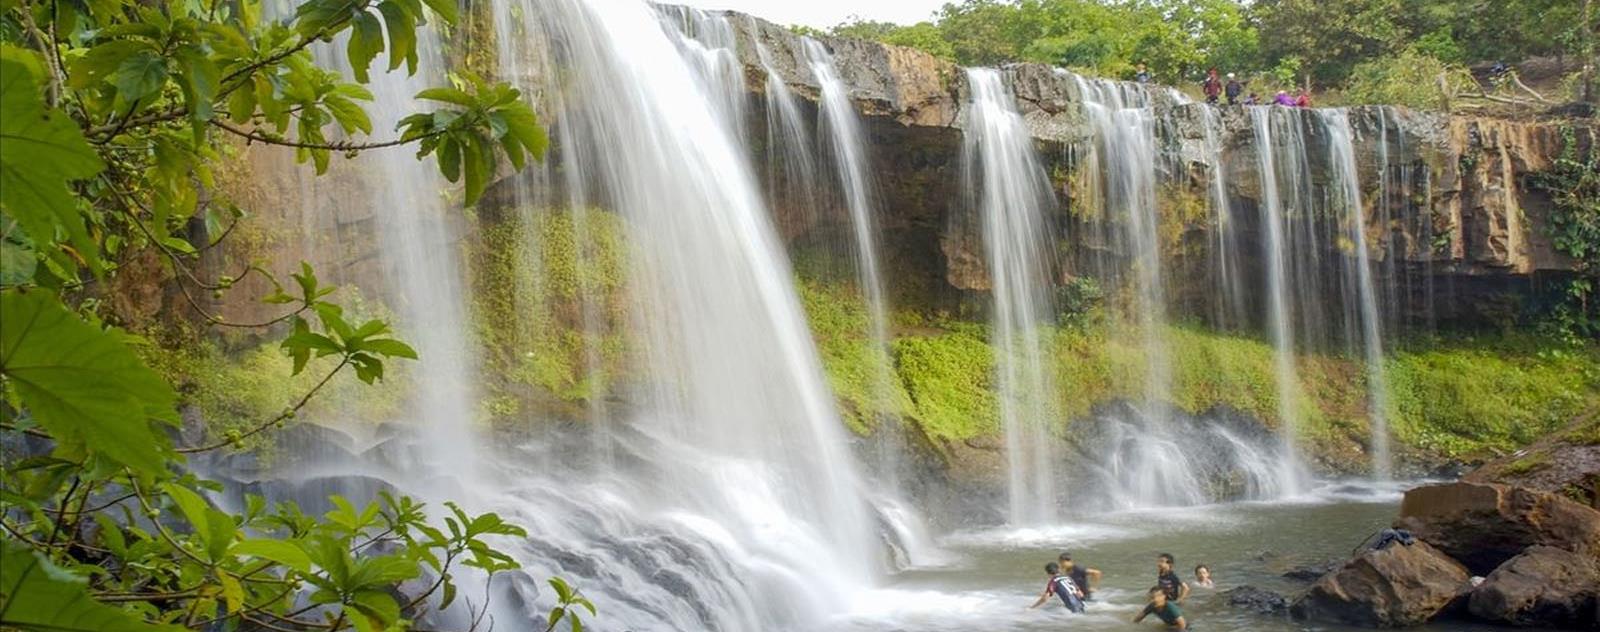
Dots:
(993, 575)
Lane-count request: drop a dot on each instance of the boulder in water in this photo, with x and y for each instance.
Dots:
(1312, 572)
(1399, 585)
(1484, 524)
(1257, 600)
(1543, 587)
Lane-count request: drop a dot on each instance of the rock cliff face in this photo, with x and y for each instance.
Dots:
(1448, 211)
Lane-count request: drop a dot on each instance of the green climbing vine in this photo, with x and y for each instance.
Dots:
(1573, 184)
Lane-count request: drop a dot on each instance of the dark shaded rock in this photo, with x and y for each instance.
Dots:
(1312, 572)
(1258, 600)
(1543, 587)
(1483, 525)
(1397, 586)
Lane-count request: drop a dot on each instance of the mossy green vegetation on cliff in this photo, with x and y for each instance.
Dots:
(1458, 397)
(553, 344)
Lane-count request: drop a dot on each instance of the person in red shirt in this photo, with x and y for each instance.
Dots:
(1304, 100)
(1212, 86)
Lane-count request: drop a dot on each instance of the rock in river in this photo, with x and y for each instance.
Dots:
(1483, 524)
(1397, 586)
(1544, 587)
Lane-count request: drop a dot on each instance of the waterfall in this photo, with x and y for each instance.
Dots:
(838, 118)
(1229, 311)
(791, 166)
(1347, 188)
(1279, 316)
(733, 501)
(1008, 188)
(1148, 467)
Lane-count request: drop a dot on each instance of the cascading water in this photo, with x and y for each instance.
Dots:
(1145, 469)
(1347, 189)
(1009, 190)
(734, 503)
(839, 124)
(1227, 271)
(1279, 317)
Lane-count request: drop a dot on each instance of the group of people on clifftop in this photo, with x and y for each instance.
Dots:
(1215, 88)
(1074, 585)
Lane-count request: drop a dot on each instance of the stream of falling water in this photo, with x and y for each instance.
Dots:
(1278, 316)
(838, 119)
(734, 502)
(1011, 193)
(1347, 190)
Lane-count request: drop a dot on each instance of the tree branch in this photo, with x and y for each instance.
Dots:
(257, 137)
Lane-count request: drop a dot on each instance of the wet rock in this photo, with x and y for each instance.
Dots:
(1543, 587)
(1312, 572)
(1257, 600)
(1397, 586)
(1483, 525)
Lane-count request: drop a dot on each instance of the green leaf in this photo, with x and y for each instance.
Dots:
(84, 384)
(377, 605)
(447, 95)
(37, 596)
(350, 116)
(402, 36)
(279, 551)
(138, 76)
(524, 126)
(446, 10)
(40, 152)
(192, 505)
(389, 347)
(366, 41)
(450, 159)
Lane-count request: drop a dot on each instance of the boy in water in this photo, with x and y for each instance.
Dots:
(1168, 612)
(1060, 586)
(1083, 576)
(1168, 581)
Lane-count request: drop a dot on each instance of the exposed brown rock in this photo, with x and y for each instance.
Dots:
(1543, 587)
(1482, 525)
(1565, 463)
(1397, 586)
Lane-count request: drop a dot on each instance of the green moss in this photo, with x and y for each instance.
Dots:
(860, 373)
(549, 305)
(243, 389)
(1524, 465)
(949, 377)
(1481, 396)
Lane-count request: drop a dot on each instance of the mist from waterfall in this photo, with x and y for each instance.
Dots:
(1007, 188)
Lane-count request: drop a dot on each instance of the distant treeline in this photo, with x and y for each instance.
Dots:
(1322, 43)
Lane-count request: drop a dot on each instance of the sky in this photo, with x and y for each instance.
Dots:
(823, 14)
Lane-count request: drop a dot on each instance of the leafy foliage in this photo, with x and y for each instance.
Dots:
(1412, 79)
(1573, 184)
(114, 115)
(1290, 41)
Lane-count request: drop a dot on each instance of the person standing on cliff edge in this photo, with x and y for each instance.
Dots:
(1212, 86)
(1235, 88)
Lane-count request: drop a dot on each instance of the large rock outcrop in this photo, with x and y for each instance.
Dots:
(1397, 586)
(1483, 525)
(1543, 587)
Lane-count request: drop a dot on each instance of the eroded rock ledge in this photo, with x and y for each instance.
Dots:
(1459, 211)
